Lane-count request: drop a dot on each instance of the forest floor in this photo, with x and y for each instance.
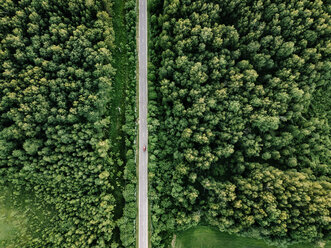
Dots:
(206, 237)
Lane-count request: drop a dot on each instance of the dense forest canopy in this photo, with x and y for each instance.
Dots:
(56, 78)
(240, 118)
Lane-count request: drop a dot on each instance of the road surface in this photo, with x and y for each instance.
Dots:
(143, 132)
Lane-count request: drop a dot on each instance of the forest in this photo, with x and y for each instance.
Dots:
(67, 161)
(239, 113)
(238, 121)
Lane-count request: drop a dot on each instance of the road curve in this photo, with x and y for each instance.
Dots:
(143, 131)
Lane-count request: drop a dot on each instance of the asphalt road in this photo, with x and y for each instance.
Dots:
(143, 131)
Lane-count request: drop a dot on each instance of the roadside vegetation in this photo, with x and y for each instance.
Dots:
(127, 66)
(67, 123)
(239, 119)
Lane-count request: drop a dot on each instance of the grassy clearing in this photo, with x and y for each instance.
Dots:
(22, 222)
(206, 237)
(117, 107)
(7, 224)
(11, 223)
(117, 111)
(14, 227)
(122, 116)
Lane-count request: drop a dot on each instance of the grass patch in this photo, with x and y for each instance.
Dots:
(117, 111)
(8, 227)
(22, 217)
(206, 237)
(117, 107)
(13, 227)
(122, 116)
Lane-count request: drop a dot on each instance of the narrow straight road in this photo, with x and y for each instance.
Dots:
(143, 132)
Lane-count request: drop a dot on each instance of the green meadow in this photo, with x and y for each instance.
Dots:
(206, 237)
